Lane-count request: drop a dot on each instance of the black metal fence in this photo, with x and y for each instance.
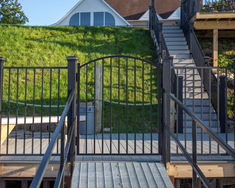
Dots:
(217, 6)
(32, 99)
(194, 143)
(117, 95)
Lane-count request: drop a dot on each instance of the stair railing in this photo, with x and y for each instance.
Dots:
(168, 97)
(197, 53)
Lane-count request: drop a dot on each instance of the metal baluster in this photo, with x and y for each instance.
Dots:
(17, 108)
(8, 110)
(50, 107)
(78, 108)
(25, 110)
(118, 105)
(111, 127)
(210, 72)
(95, 108)
(151, 103)
(142, 107)
(135, 106)
(86, 109)
(218, 106)
(41, 113)
(102, 106)
(58, 107)
(33, 129)
(194, 152)
(126, 105)
(202, 78)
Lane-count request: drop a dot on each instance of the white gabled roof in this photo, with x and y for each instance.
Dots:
(80, 1)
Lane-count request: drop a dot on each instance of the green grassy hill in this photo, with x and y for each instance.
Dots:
(49, 46)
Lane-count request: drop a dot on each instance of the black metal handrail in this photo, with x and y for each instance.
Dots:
(204, 127)
(198, 56)
(196, 121)
(64, 153)
(156, 26)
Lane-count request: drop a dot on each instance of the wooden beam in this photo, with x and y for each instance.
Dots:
(216, 15)
(215, 47)
(210, 170)
(214, 24)
(21, 170)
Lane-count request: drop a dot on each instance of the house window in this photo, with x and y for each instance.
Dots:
(74, 20)
(85, 18)
(109, 19)
(98, 18)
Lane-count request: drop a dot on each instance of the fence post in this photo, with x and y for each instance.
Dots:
(150, 18)
(160, 106)
(194, 152)
(160, 38)
(72, 111)
(1, 86)
(166, 110)
(180, 110)
(222, 103)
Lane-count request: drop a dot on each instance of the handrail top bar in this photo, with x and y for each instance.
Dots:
(200, 67)
(35, 67)
(42, 168)
(210, 132)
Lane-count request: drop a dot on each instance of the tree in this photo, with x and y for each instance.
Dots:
(11, 12)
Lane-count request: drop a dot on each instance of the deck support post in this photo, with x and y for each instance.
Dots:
(166, 110)
(98, 97)
(72, 111)
(215, 47)
(1, 85)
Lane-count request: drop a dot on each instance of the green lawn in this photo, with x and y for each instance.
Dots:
(49, 46)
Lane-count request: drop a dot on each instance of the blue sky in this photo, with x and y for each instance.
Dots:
(46, 12)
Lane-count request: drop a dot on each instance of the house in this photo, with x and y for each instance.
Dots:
(118, 12)
(92, 13)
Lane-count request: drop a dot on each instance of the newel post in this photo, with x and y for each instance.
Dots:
(72, 111)
(166, 110)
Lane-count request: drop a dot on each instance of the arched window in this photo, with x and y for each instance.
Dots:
(74, 20)
(109, 19)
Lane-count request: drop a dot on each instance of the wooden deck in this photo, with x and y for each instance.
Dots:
(120, 174)
(94, 146)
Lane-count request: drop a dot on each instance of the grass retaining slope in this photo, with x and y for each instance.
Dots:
(49, 46)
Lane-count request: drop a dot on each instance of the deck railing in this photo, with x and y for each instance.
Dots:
(168, 97)
(217, 6)
(67, 150)
(31, 101)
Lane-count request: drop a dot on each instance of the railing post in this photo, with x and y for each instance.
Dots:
(150, 18)
(1, 86)
(194, 152)
(180, 110)
(166, 110)
(190, 38)
(72, 111)
(160, 106)
(222, 103)
(160, 38)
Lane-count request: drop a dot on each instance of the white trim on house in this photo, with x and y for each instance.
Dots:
(80, 2)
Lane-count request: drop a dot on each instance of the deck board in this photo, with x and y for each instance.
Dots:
(120, 174)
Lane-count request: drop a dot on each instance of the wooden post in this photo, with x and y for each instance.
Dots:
(215, 48)
(98, 97)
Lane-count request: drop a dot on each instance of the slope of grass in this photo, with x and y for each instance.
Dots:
(49, 47)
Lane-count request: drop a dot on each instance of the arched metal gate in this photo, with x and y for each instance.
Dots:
(117, 106)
